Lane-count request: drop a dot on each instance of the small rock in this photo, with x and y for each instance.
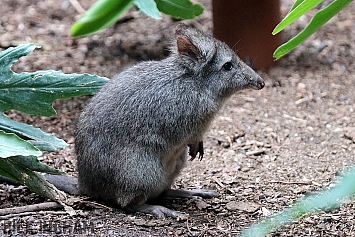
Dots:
(200, 204)
(152, 223)
(255, 153)
(243, 206)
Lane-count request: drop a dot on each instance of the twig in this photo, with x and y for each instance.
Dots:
(30, 208)
(31, 213)
(284, 182)
(77, 6)
(294, 118)
(218, 182)
(95, 204)
(317, 155)
(302, 100)
(187, 225)
(230, 142)
(224, 143)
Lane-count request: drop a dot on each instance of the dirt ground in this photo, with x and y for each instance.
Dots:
(265, 150)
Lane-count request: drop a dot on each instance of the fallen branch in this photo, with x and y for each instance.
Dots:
(30, 208)
(31, 213)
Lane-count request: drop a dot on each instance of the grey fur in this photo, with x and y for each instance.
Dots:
(132, 139)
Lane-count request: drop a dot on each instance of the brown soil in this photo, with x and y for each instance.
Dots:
(302, 121)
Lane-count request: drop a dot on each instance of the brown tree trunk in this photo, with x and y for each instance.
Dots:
(246, 26)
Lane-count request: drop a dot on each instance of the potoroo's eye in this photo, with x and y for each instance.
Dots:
(228, 66)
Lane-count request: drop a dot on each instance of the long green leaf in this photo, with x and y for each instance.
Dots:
(148, 7)
(12, 145)
(44, 146)
(326, 200)
(183, 9)
(293, 15)
(317, 21)
(297, 2)
(35, 92)
(38, 138)
(100, 15)
(32, 163)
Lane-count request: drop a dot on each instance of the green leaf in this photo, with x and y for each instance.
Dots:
(183, 9)
(297, 2)
(100, 15)
(43, 141)
(148, 7)
(35, 92)
(105, 12)
(3, 172)
(34, 181)
(12, 145)
(44, 146)
(301, 9)
(326, 200)
(32, 163)
(319, 19)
